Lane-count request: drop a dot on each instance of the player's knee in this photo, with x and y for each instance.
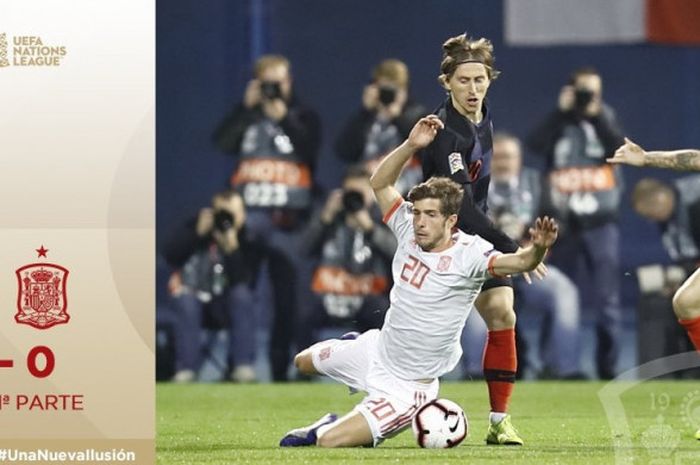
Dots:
(304, 363)
(500, 317)
(508, 319)
(685, 306)
(496, 308)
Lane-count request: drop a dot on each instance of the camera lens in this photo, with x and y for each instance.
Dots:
(582, 97)
(223, 220)
(387, 95)
(270, 90)
(353, 201)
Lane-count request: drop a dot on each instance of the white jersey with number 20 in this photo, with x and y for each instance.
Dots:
(432, 296)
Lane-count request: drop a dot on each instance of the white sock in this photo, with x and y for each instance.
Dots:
(496, 417)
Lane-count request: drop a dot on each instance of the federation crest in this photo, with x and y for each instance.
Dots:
(444, 263)
(41, 295)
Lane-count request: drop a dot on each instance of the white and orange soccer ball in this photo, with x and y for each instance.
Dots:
(440, 424)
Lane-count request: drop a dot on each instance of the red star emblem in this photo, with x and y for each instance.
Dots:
(42, 251)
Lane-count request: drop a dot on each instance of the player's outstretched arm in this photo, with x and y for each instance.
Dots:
(632, 154)
(384, 177)
(543, 235)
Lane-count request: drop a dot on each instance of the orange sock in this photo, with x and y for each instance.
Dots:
(500, 365)
(692, 327)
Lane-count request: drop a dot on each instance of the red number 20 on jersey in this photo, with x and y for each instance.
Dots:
(414, 272)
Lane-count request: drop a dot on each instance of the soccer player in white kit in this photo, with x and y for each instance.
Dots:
(438, 272)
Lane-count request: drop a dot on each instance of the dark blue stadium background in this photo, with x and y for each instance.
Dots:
(205, 50)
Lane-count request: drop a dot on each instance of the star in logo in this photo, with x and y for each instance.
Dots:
(42, 251)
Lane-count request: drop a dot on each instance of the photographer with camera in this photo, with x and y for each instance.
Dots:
(583, 194)
(271, 122)
(354, 249)
(216, 260)
(383, 122)
(275, 139)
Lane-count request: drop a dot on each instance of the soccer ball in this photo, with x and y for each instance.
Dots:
(440, 424)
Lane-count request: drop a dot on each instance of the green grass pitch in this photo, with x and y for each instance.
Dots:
(561, 423)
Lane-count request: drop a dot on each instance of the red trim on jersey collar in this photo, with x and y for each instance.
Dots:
(390, 212)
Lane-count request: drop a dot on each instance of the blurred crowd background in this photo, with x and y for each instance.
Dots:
(206, 56)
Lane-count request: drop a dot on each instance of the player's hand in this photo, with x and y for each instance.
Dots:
(540, 272)
(252, 94)
(424, 132)
(628, 153)
(544, 234)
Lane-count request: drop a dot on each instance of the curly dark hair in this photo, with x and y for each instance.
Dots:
(444, 189)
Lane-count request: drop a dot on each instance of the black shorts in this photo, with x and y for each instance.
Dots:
(497, 282)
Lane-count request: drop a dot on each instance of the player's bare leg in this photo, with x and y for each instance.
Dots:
(686, 301)
(686, 306)
(304, 363)
(349, 431)
(495, 306)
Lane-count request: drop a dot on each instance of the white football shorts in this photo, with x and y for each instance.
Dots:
(391, 402)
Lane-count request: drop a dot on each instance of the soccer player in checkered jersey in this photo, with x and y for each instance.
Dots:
(462, 151)
(686, 301)
(438, 271)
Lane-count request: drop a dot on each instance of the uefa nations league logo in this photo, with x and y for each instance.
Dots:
(30, 51)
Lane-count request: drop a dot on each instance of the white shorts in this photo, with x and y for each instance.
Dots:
(391, 402)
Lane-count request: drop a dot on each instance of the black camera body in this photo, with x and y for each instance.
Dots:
(270, 90)
(387, 95)
(353, 201)
(582, 97)
(223, 220)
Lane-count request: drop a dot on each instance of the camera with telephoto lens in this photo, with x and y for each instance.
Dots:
(353, 201)
(271, 90)
(223, 220)
(387, 95)
(582, 97)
